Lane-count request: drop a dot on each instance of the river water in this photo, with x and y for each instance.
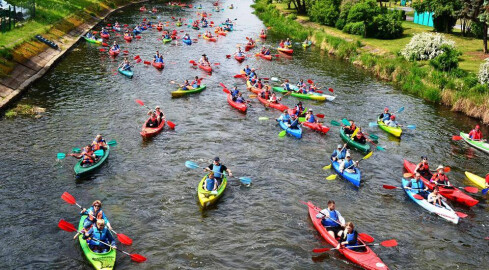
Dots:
(150, 195)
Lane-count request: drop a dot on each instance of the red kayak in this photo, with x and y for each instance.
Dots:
(159, 28)
(114, 53)
(142, 9)
(242, 107)
(252, 88)
(104, 36)
(316, 126)
(285, 50)
(147, 132)
(158, 65)
(366, 259)
(128, 38)
(239, 58)
(278, 106)
(451, 193)
(220, 33)
(206, 68)
(266, 57)
(249, 47)
(263, 36)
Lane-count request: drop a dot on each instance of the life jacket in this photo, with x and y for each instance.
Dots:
(294, 124)
(333, 215)
(423, 168)
(87, 159)
(259, 85)
(240, 100)
(217, 170)
(285, 117)
(475, 134)
(287, 87)
(353, 127)
(273, 99)
(299, 110)
(312, 119)
(152, 122)
(339, 154)
(351, 237)
(161, 59)
(265, 94)
(97, 145)
(386, 117)
(195, 83)
(174, 32)
(440, 178)
(100, 235)
(235, 93)
(247, 71)
(417, 185)
(97, 214)
(210, 183)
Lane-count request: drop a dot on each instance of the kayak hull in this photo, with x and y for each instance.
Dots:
(99, 261)
(395, 131)
(166, 40)
(365, 148)
(285, 50)
(479, 181)
(242, 107)
(354, 178)
(315, 96)
(187, 41)
(277, 106)
(476, 144)
(316, 127)
(147, 132)
(239, 58)
(180, 93)
(158, 65)
(80, 170)
(205, 198)
(263, 36)
(96, 41)
(294, 132)
(213, 39)
(207, 69)
(127, 73)
(453, 194)
(114, 53)
(105, 36)
(367, 259)
(128, 38)
(266, 57)
(249, 47)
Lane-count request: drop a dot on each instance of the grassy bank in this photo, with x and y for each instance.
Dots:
(53, 19)
(458, 89)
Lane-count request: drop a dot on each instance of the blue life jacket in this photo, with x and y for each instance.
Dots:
(351, 237)
(294, 124)
(247, 71)
(217, 170)
(330, 223)
(348, 164)
(286, 118)
(235, 93)
(339, 154)
(312, 119)
(287, 87)
(417, 185)
(210, 183)
(386, 117)
(240, 100)
(161, 59)
(100, 235)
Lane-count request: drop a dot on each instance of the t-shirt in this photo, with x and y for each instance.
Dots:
(223, 168)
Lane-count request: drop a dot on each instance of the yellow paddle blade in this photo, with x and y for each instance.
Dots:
(282, 133)
(327, 167)
(368, 155)
(331, 177)
(354, 133)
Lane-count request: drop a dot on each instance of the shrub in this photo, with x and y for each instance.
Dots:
(325, 11)
(355, 28)
(470, 81)
(446, 61)
(425, 46)
(386, 26)
(483, 75)
(292, 16)
(342, 19)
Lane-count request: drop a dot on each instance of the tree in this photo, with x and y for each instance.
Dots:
(444, 12)
(325, 11)
(363, 12)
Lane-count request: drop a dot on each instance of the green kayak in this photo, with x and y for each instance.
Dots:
(166, 40)
(127, 73)
(481, 145)
(91, 40)
(100, 261)
(181, 93)
(317, 96)
(361, 147)
(396, 131)
(79, 169)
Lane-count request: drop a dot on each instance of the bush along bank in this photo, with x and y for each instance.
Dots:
(436, 79)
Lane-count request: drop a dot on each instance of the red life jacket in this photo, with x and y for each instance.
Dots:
(98, 215)
(475, 134)
(87, 158)
(423, 167)
(440, 178)
(97, 145)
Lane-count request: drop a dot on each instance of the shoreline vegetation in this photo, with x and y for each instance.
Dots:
(458, 89)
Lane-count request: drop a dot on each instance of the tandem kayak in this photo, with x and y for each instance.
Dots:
(207, 198)
(181, 93)
(239, 58)
(242, 107)
(312, 96)
(483, 146)
(285, 50)
(159, 27)
(479, 181)
(128, 38)
(99, 261)
(220, 33)
(396, 131)
(353, 178)
(187, 41)
(444, 210)
(91, 40)
(347, 138)
(80, 170)
(127, 73)
(266, 57)
(148, 132)
(158, 65)
(114, 52)
(451, 193)
(253, 89)
(316, 126)
(277, 106)
(294, 132)
(206, 68)
(366, 258)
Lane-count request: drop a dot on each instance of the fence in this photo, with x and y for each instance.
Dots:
(423, 18)
(12, 14)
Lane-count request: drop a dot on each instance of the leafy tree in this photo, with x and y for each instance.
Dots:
(325, 11)
(444, 12)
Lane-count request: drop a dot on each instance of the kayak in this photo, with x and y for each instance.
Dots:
(205, 197)
(79, 169)
(99, 261)
(353, 178)
(249, 47)
(147, 132)
(104, 36)
(483, 146)
(266, 57)
(277, 106)
(181, 93)
(159, 28)
(239, 58)
(178, 23)
(206, 68)
(114, 53)
(136, 32)
(91, 40)
(451, 193)
(396, 131)
(347, 138)
(221, 33)
(242, 107)
(187, 41)
(285, 50)
(307, 45)
(158, 65)
(294, 132)
(263, 36)
(366, 259)
(128, 38)
(316, 126)
(214, 39)
(118, 29)
(312, 96)
(166, 40)
(252, 88)
(479, 181)
(444, 211)
(195, 28)
(127, 73)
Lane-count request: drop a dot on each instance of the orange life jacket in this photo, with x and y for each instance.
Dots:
(423, 167)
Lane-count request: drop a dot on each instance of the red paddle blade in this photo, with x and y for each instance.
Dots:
(225, 90)
(320, 250)
(389, 187)
(487, 238)
(125, 51)
(138, 37)
(222, 85)
(138, 60)
(456, 138)
(389, 243)
(418, 197)
(309, 81)
(367, 238)
(109, 25)
(238, 76)
(320, 115)
(171, 124)
(102, 49)
(217, 64)
(124, 239)
(228, 56)
(407, 175)
(191, 62)
(461, 215)
(66, 226)
(105, 44)
(319, 91)
(140, 102)
(471, 189)
(138, 258)
(67, 197)
(331, 90)
(147, 63)
(136, 57)
(447, 169)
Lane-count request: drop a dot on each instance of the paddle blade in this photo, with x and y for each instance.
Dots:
(66, 226)
(389, 187)
(374, 137)
(389, 243)
(76, 150)
(319, 115)
(411, 126)
(245, 180)
(225, 90)
(345, 122)
(252, 96)
(263, 118)
(136, 57)
(327, 167)
(138, 258)
(319, 91)
(461, 215)
(67, 197)
(380, 148)
(447, 169)
(372, 124)
(102, 49)
(365, 237)
(320, 250)
(471, 189)
(408, 175)
(191, 165)
(147, 62)
(400, 110)
(484, 191)
(282, 133)
(309, 81)
(124, 239)
(274, 79)
(170, 124)
(191, 62)
(60, 155)
(330, 90)
(222, 85)
(335, 123)
(367, 156)
(140, 102)
(331, 177)
(418, 197)
(456, 138)
(99, 153)
(238, 76)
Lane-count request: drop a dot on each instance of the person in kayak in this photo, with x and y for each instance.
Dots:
(174, 34)
(252, 76)
(125, 65)
(265, 51)
(97, 234)
(385, 115)
(423, 168)
(351, 128)
(251, 42)
(392, 122)
(348, 164)
(300, 84)
(166, 35)
(440, 178)
(152, 121)
(186, 86)
(196, 82)
(286, 85)
(156, 57)
(115, 46)
(240, 98)
(262, 32)
(258, 84)
(434, 197)
(476, 134)
(87, 155)
(218, 170)
(299, 110)
(339, 153)
(281, 44)
(195, 24)
(294, 122)
(186, 36)
(247, 70)
(287, 43)
(310, 117)
(265, 93)
(331, 219)
(417, 184)
(104, 31)
(349, 238)
(159, 114)
(94, 213)
(285, 117)
(99, 143)
(239, 52)
(360, 138)
(91, 36)
(273, 97)
(204, 61)
(235, 93)
(210, 183)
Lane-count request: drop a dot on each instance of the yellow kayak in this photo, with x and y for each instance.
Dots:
(479, 181)
(207, 198)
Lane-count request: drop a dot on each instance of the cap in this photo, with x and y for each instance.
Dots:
(310, 110)
(348, 155)
(386, 109)
(340, 146)
(440, 167)
(204, 54)
(393, 117)
(216, 159)
(477, 126)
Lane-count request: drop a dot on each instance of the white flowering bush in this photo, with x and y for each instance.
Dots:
(483, 75)
(425, 46)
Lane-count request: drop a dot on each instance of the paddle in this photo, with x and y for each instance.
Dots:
(386, 243)
(170, 123)
(484, 191)
(457, 138)
(192, 165)
(124, 239)
(66, 226)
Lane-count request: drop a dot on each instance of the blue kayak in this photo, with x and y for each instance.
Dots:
(136, 32)
(187, 41)
(294, 132)
(127, 73)
(354, 178)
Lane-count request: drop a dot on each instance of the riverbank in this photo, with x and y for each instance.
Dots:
(459, 90)
(24, 59)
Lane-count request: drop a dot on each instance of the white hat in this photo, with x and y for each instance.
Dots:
(440, 167)
(347, 155)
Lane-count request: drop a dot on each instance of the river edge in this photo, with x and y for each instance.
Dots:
(416, 78)
(27, 71)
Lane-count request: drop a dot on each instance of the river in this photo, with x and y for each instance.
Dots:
(150, 195)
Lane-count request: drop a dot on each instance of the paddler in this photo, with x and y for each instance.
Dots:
(251, 42)
(104, 31)
(156, 57)
(252, 76)
(218, 170)
(186, 36)
(351, 128)
(348, 164)
(196, 82)
(265, 93)
(262, 32)
(204, 60)
(99, 143)
(287, 43)
(273, 97)
(286, 85)
(349, 238)
(235, 93)
(94, 213)
(434, 197)
(440, 178)
(360, 138)
(281, 44)
(87, 155)
(152, 121)
(285, 117)
(423, 168)
(125, 65)
(159, 114)
(210, 183)
(99, 233)
(294, 122)
(301, 84)
(240, 98)
(417, 184)
(299, 109)
(247, 70)
(392, 122)
(476, 134)
(115, 46)
(265, 51)
(339, 153)
(239, 52)
(385, 115)
(258, 84)
(310, 117)
(331, 219)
